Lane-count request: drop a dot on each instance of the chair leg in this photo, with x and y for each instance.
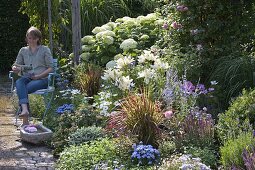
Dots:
(16, 116)
(47, 105)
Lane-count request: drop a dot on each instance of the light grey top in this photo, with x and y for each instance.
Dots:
(34, 63)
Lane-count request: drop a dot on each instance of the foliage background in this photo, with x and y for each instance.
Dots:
(13, 27)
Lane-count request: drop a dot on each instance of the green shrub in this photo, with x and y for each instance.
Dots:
(166, 148)
(86, 156)
(85, 134)
(37, 106)
(231, 152)
(239, 116)
(208, 156)
(68, 123)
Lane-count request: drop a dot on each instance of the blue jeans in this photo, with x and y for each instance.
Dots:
(25, 86)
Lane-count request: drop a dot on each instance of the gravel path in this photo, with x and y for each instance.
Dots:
(14, 153)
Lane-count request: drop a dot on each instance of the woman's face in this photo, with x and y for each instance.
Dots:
(31, 40)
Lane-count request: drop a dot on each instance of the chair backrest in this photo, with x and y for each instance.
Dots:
(55, 65)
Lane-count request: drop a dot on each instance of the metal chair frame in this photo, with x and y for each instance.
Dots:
(43, 92)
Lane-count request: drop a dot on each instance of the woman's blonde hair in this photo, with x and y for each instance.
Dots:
(35, 33)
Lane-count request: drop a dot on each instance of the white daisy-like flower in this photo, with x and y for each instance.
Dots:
(121, 62)
(128, 44)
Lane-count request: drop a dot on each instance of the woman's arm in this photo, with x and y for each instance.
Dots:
(43, 74)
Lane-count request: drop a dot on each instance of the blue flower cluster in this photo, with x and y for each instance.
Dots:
(65, 108)
(145, 154)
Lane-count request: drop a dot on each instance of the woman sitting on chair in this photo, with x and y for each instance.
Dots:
(33, 64)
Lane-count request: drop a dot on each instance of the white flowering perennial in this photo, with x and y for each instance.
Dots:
(147, 56)
(103, 103)
(98, 29)
(125, 83)
(88, 39)
(112, 74)
(105, 33)
(122, 62)
(128, 44)
(159, 64)
(147, 74)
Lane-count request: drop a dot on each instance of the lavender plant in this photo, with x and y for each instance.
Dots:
(249, 157)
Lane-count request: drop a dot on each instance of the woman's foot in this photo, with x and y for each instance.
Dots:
(24, 114)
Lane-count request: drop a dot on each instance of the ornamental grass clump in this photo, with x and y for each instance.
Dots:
(142, 117)
(145, 154)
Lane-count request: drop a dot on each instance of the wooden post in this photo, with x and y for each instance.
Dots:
(50, 27)
(76, 30)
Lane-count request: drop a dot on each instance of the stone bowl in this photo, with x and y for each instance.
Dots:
(43, 134)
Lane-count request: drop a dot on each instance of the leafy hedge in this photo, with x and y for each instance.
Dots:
(13, 29)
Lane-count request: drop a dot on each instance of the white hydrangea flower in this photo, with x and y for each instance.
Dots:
(125, 83)
(98, 29)
(159, 22)
(108, 40)
(87, 39)
(112, 25)
(85, 56)
(151, 16)
(128, 44)
(144, 37)
(86, 48)
(158, 64)
(147, 74)
(111, 64)
(107, 27)
(105, 33)
(121, 62)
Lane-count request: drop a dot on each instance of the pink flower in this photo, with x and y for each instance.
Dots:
(176, 25)
(168, 114)
(182, 8)
(165, 26)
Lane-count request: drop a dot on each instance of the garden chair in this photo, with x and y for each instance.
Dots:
(46, 93)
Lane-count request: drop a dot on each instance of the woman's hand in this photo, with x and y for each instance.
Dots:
(35, 77)
(15, 69)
